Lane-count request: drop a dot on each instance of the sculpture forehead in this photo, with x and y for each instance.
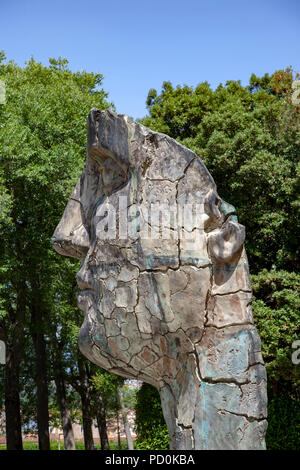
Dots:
(108, 132)
(153, 155)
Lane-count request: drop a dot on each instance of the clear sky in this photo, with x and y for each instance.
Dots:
(137, 45)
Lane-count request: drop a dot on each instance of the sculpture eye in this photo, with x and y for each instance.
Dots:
(113, 173)
(106, 159)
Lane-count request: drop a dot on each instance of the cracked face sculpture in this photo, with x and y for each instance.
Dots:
(165, 285)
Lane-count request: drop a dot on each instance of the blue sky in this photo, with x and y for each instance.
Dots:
(137, 45)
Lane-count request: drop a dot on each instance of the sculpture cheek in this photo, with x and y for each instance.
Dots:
(225, 244)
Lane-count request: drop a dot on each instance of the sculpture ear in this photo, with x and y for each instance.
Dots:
(226, 243)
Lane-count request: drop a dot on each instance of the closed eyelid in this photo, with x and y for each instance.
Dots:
(102, 156)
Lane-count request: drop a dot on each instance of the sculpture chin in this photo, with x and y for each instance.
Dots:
(86, 339)
(93, 342)
(85, 342)
(85, 300)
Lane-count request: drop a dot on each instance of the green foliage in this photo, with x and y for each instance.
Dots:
(43, 144)
(276, 314)
(283, 431)
(129, 396)
(276, 309)
(106, 384)
(152, 432)
(28, 445)
(42, 153)
(158, 439)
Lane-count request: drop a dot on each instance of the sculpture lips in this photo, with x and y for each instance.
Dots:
(84, 279)
(84, 300)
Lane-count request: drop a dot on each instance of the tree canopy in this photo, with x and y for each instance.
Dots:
(42, 153)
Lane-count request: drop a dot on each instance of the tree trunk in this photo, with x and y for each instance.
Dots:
(87, 423)
(125, 420)
(85, 390)
(102, 427)
(41, 379)
(12, 400)
(69, 440)
(14, 350)
(118, 430)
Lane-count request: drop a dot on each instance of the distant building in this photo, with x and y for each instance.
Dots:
(57, 433)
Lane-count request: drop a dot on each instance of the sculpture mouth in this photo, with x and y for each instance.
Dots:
(85, 300)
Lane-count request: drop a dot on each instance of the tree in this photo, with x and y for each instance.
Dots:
(152, 431)
(64, 407)
(42, 154)
(111, 389)
(100, 413)
(124, 418)
(83, 385)
(276, 310)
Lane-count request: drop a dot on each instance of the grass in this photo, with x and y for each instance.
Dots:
(79, 445)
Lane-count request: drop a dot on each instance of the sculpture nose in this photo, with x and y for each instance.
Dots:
(70, 237)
